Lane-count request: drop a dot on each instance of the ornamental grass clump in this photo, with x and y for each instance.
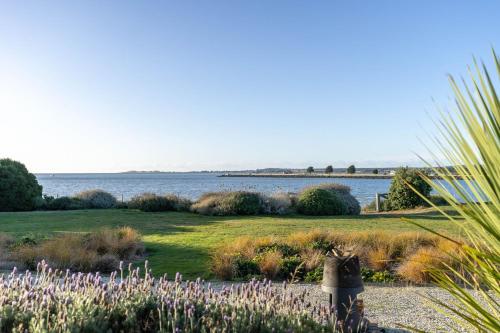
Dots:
(128, 301)
(300, 256)
(97, 251)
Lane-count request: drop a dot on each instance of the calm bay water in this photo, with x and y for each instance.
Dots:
(192, 185)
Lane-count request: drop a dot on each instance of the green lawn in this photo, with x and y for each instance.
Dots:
(183, 241)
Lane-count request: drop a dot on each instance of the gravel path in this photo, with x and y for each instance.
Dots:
(392, 306)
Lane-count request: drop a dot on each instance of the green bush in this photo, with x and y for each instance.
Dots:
(179, 204)
(62, 203)
(229, 203)
(401, 196)
(343, 193)
(96, 199)
(329, 169)
(245, 268)
(315, 275)
(310, 169)
(375, 171)
(291, 267)
(369, 275)
(150, 202)
(318, 201)
(351, 169)
(19, 189)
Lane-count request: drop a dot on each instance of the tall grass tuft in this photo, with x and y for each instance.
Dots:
(469, 141)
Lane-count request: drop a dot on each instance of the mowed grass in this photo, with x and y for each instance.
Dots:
(184, 242)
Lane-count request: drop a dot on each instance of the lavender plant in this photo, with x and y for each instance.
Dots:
(60, 301)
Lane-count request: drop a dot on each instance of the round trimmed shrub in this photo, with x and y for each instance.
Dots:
(241, 203)
(150, 202)
(19, 189)
(96, 199)
(401, 196)
(343, 192)
(318, 201)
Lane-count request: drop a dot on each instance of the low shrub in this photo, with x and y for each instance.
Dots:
(343, 192)
(401, 195)
(97, 199)
(97, 251)
(61, 203)
(345, 202)
(277, 204)
(228, 203)
(178, 203)
(370, 275)
(300, 256)
(318, 201)
(315, 275)
(150, 202)
(134, 302)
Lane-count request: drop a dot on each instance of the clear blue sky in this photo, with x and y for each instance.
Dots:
(89, 86)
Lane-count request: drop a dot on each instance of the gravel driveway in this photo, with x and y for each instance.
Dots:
(391, 306)
(394, 306)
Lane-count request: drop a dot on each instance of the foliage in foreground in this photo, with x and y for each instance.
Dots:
(300, 256)
(471, 143)
(19, 189)
(57, 301)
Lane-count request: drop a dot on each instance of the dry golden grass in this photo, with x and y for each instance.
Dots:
(302, 238)
(403, 253)
(416, 267)
(312, 258)
(223, 265)
(98, 251)
(5, 241)
(379, 259)
(269, 264)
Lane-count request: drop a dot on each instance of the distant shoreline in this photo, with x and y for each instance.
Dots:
(308, 175)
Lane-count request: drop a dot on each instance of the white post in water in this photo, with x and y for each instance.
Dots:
(377, 202)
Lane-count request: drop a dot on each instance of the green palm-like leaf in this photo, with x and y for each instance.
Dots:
(470, 141)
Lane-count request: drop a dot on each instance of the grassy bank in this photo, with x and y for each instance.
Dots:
(184, 242)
